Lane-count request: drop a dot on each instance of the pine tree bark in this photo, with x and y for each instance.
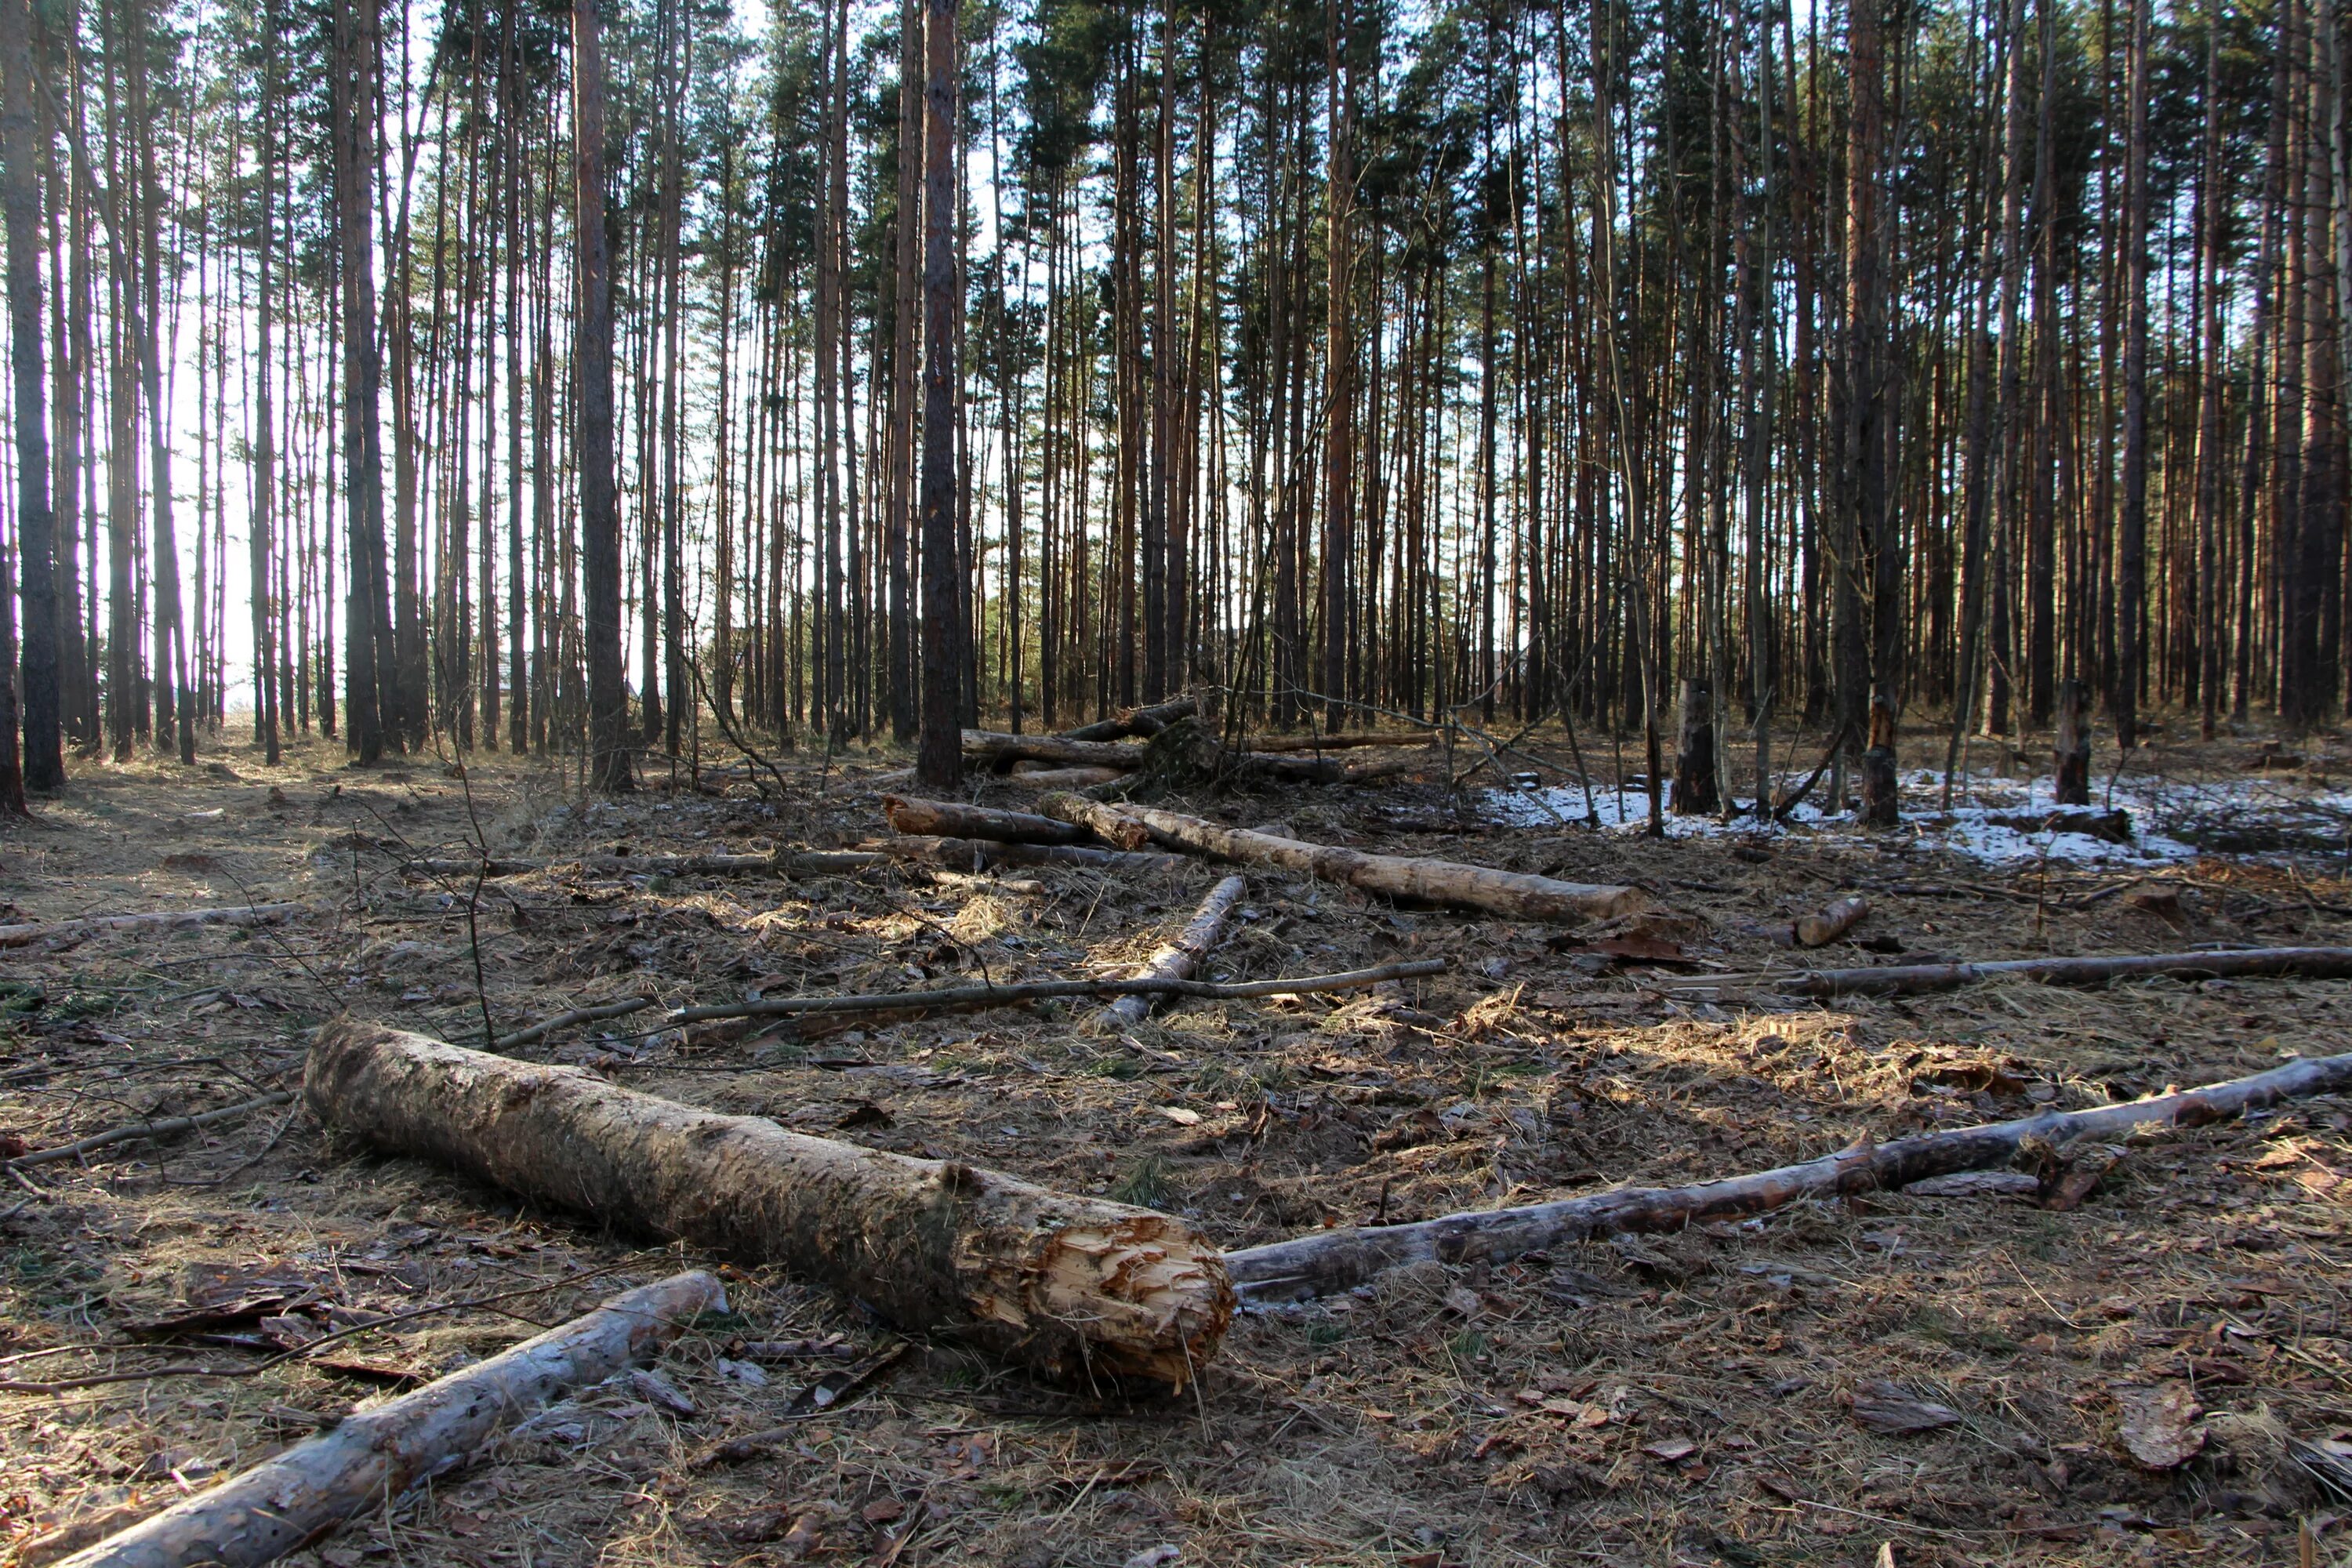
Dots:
(43, 758)
(600, 521)
(938, 760)
(367, 617)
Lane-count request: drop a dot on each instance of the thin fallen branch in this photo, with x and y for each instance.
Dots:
(953, 819)
(1010, 993)
(1176, 960)
(170, 1127)
(377, 1455)
(1911, 979)
(1511, 894)
(31, 931)
(1135, 721)
(1784, 806)
(1072, 1287)
(591, 1014)
(1333, 1260)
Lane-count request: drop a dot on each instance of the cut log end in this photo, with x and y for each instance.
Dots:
(1144, 1298)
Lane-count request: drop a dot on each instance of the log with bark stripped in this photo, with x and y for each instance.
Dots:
(1042, 777)
(31, 931)
(1333, 1260)
(1178, 959)
(377, 1455)
(953, 819)
(1511, 894)
(985, 855)
(1076, 1288)
(993, 748)
(1827, 923)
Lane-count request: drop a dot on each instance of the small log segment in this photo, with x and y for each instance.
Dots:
(1830, 922)
(987, 855)
(1882, 786)
(1262, 744)
(1043, 778)
(31, 931)
(1135, 721)
(953, 819)
(1076, 1288)
(2070, 751)
(1511, 894)
(1694, 792)
(372, 1458)
(1913, 979)
(1178, 959)
(994, 749)
(1333, 1260)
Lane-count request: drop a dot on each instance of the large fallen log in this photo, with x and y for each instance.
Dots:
(1340, 742)
(1333, 1260)
(1512, 894)
(1178, 959)
(984, 855)
(993, 748)
(1045, 777)
(953, 819)
(31, 931)
(377, 1455)
(1135, 721)
(1076, 1288)
(1911, 979)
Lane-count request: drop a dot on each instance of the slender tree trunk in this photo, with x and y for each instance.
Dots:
(43, 761)
(2131, 545)
(600, 520)
(939, 754)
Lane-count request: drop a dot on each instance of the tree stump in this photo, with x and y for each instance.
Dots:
(1695, 791)
(2072, 761)
(1881, 789)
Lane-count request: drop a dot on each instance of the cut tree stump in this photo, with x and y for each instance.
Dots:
(953, 819)
(377, 1455)
(1695, 792)
(1511, 894)
(1178, 959)
(1333, 1260)
(2071, 758)
(31, 931)
(1913, 979)
(1076, 1288)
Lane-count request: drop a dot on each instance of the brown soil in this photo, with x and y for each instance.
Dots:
(1683, 1399)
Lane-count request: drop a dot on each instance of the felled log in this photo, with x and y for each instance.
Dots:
(1333, 1260)
(993, 748)
(2114, 826)
(1111, 824)
(1882, 786)
(378, 1454)
(1135, 721)
(984, 855)
(1178, 959)
(953, 819)
(1511, 894)
(1827, 923)
(31, 931)
(1076, 1288)
(1259, 744)
(1043, 777)
(1912, 979)
(2071, 759)
(1695, 792)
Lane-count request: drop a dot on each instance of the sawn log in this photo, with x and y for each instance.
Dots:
(1178, 959)
(1076, 1288)
(953, 819)
(1512, 894)
(993, 748)
(1332, 1260)
(377, 1455)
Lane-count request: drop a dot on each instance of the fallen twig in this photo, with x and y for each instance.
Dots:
(31, 931)
(169, 1127)
(1911, 979)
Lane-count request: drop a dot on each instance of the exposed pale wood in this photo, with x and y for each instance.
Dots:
(169, 1127)
(1111, 824)
(1135, 721)
(379, 1454)
(1072, 1287)
(1882, 784)
(982, 854)
(1827, 923)
(1178, 959)
(31, 931)
(1045, 777)
(953, 819)
(1910, 979)
(1512, 894)
(1332, 1260)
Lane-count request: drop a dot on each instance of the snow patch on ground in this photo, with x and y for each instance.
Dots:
(2159, 809)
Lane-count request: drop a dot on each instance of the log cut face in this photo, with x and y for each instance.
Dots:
(1078, 1287)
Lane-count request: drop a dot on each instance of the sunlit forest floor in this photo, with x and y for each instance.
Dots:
(1682, 1399)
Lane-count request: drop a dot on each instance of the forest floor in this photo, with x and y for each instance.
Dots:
(1678, 1399)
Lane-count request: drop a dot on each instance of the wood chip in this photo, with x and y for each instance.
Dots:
(1884, 1407)
(2159, 1425)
